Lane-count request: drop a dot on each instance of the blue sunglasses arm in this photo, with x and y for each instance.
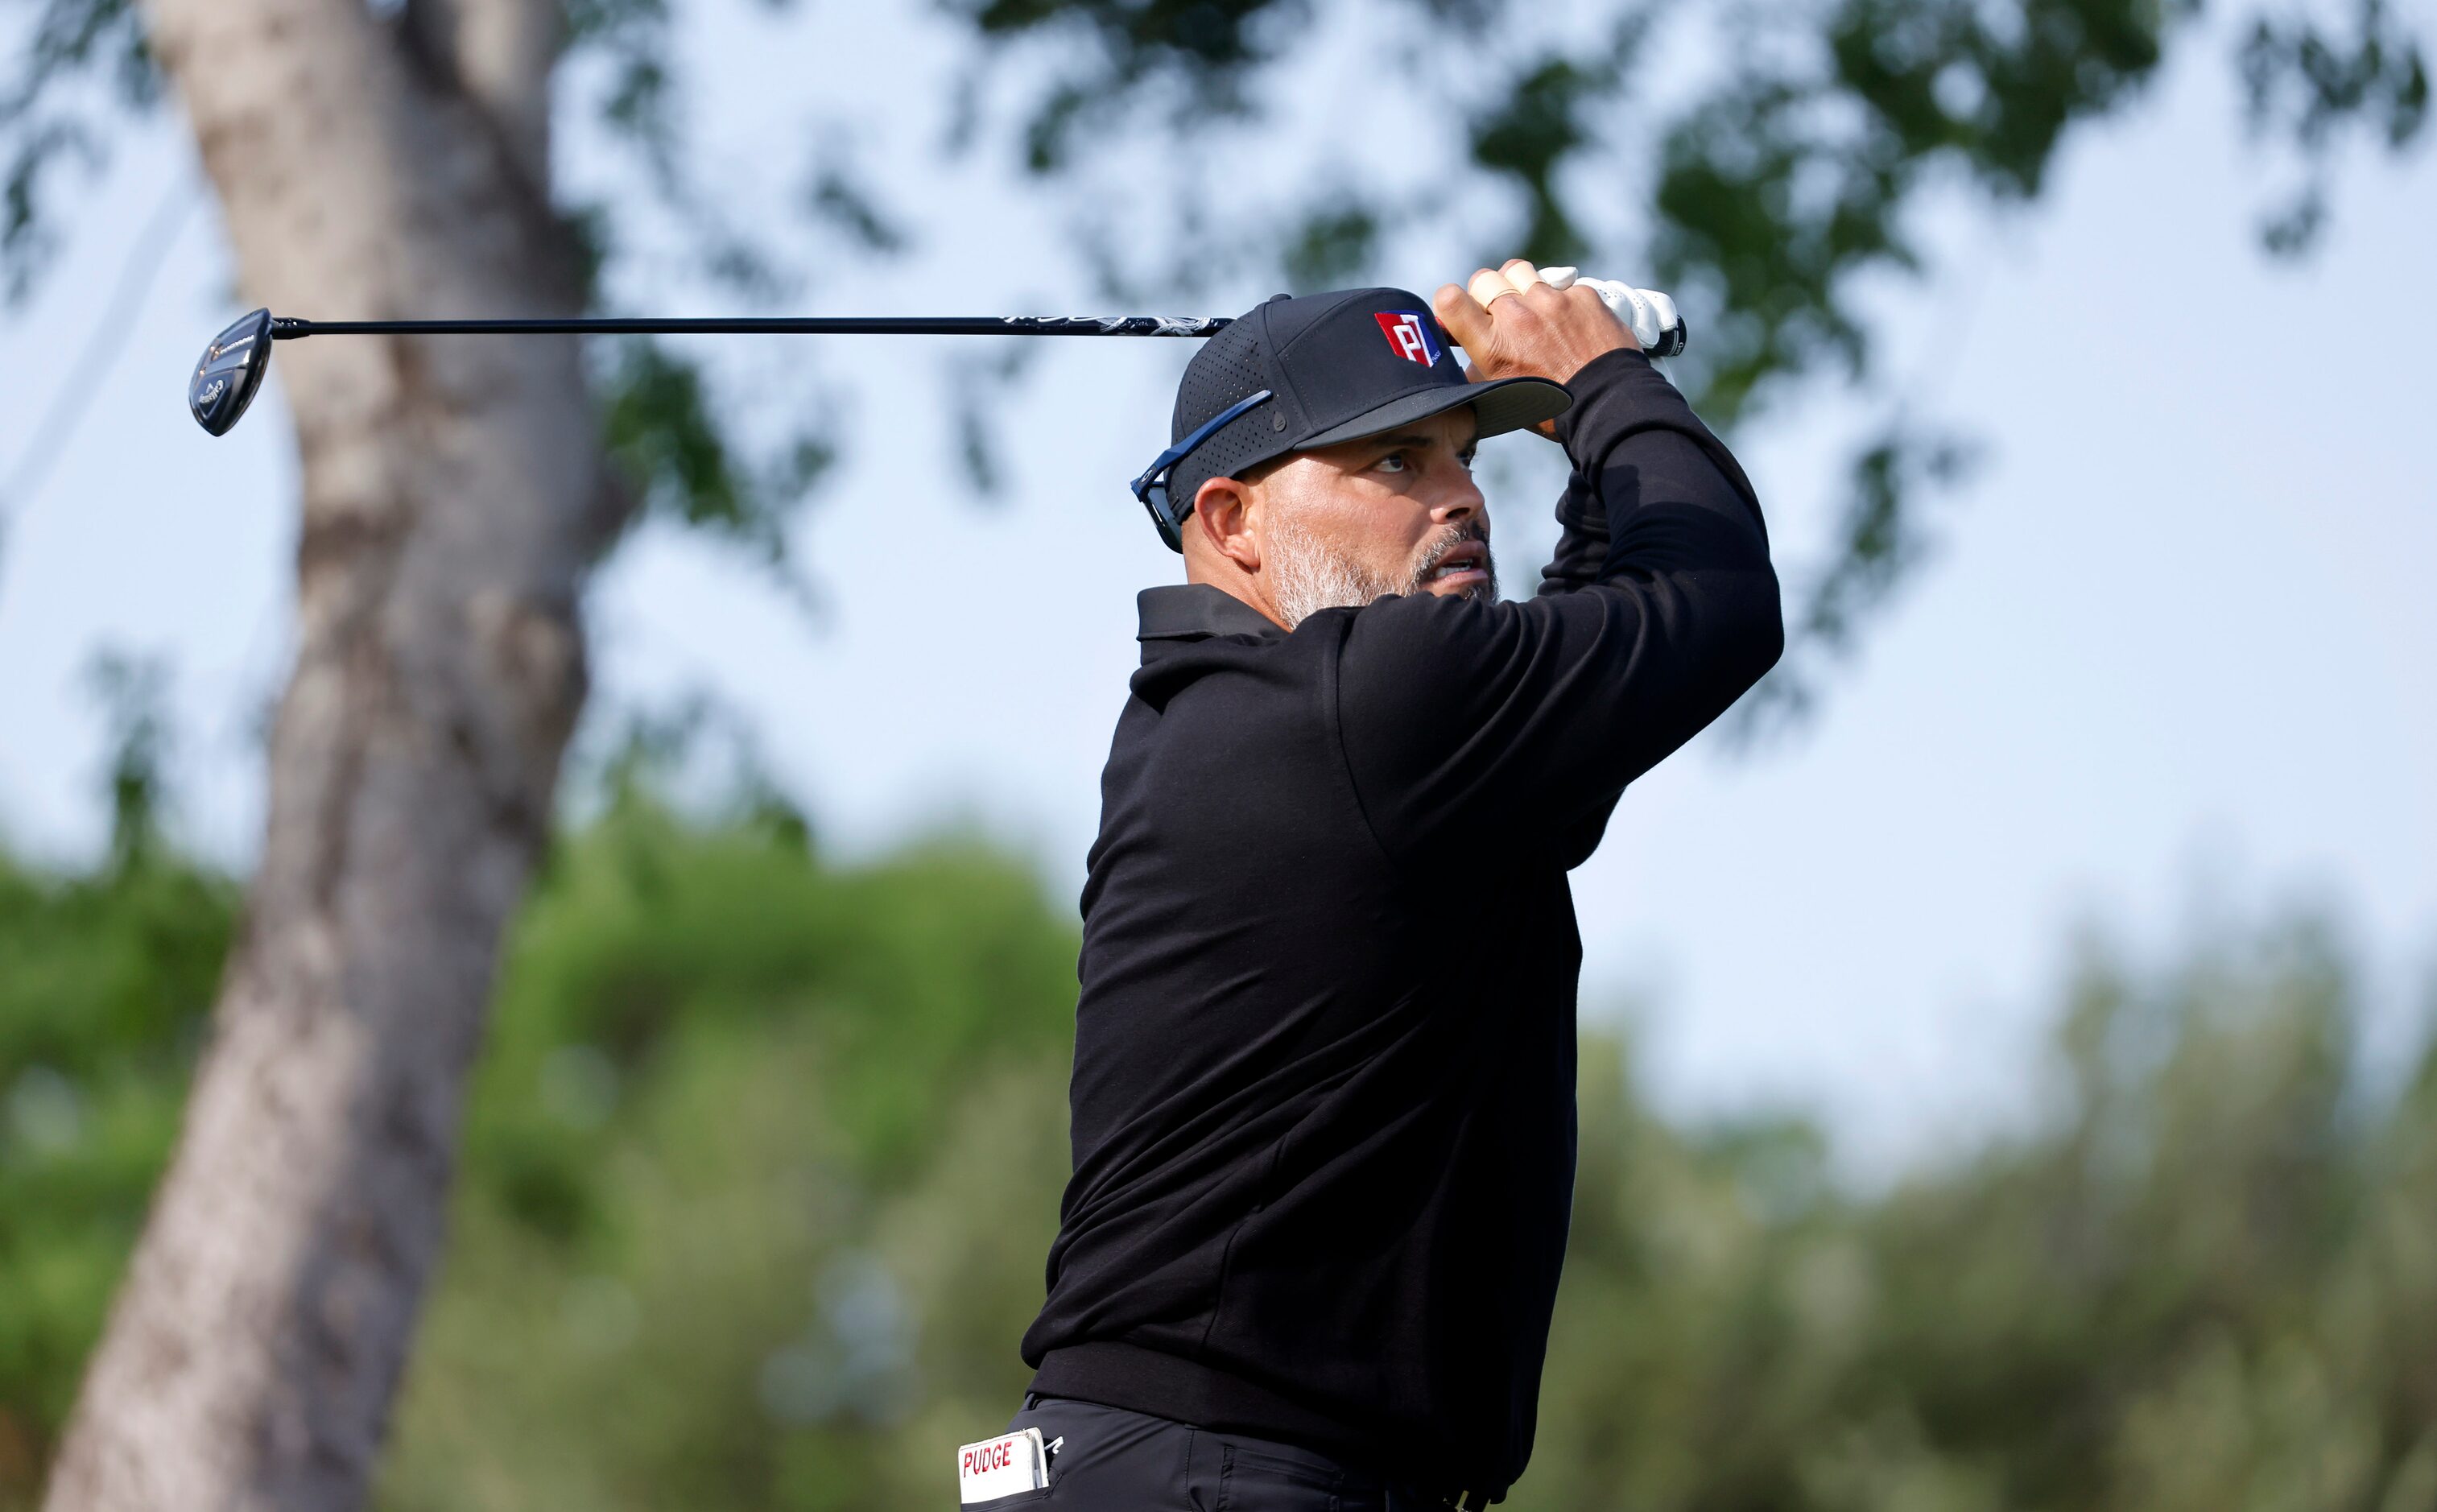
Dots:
(1151, 487)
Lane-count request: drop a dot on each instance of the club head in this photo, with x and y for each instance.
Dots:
(231, 371)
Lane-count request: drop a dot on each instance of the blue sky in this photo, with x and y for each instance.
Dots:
(2169, 666)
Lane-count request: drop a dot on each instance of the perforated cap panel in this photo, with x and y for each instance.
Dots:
(1228, 368)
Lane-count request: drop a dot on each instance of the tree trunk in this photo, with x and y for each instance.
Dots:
(455, 494)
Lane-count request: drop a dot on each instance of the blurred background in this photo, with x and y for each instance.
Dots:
(2008, 1063)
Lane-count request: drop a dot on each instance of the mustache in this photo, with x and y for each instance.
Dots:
(1463, 534)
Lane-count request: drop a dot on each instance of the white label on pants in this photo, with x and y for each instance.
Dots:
(1001, 1467)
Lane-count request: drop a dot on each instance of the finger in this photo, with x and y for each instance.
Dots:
(1637, 317)
(1622, 302)
(1465, 318)
(1489, 285)
(1591, 304)
(1560, 277)
(1541, 296)
(1643, 319)
(1520, 273)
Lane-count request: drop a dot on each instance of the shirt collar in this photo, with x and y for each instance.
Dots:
(1187, 611)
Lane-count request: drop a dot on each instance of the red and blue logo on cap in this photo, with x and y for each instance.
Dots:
(1409, 335)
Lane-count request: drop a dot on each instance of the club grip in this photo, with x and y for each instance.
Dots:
(1652, 316)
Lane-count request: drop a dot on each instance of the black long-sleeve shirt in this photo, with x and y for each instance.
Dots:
(1324, 1094)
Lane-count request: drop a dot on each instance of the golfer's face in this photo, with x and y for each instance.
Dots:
(1401, 505)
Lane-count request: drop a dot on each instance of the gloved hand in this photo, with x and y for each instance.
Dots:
(1651, 314)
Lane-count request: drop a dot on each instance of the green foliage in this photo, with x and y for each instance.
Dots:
(1763, 194)
(837, 197)
(133, 694)
(72, 51)
(1527, 135)
(764, 1153)
(1331, 247)
(2309, 89)
(631, 37)
(764, 1156)
(2208, 1280)
(1793, 178)
(83, 62)
(657, 422)
(1880, 537)
(104, 982)
(668, 426)
(1199, 53)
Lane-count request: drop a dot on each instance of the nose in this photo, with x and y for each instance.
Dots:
(1457, 497)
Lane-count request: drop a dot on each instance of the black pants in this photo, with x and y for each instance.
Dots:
(1115, 1461)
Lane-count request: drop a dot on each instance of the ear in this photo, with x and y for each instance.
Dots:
(1225, 516)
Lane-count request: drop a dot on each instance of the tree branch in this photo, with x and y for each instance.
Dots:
(498, 54)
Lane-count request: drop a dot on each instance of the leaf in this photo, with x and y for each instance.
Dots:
(2306, 89)
(657, 422)
(48, 119)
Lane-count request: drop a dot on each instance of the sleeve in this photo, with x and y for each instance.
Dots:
(1513, 728)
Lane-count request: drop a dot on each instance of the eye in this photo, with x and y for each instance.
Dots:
(1392, 462)
(1465, 457)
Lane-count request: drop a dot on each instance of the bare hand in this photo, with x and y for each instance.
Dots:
(1514, 326)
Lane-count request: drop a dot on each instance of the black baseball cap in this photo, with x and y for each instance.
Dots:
(1307, 372)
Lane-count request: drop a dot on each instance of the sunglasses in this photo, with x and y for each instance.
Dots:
(1151, 487)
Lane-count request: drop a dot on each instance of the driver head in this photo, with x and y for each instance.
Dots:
(230, 373)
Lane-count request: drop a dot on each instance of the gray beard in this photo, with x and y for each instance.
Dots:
(1308, 577)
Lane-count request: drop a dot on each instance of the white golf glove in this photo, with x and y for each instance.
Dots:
(1651, 314)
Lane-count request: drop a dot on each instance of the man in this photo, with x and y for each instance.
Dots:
(1324, 1093)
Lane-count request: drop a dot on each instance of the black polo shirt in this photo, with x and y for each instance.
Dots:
(1324, 1094)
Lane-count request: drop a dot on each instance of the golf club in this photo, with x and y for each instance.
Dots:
(233, 366)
